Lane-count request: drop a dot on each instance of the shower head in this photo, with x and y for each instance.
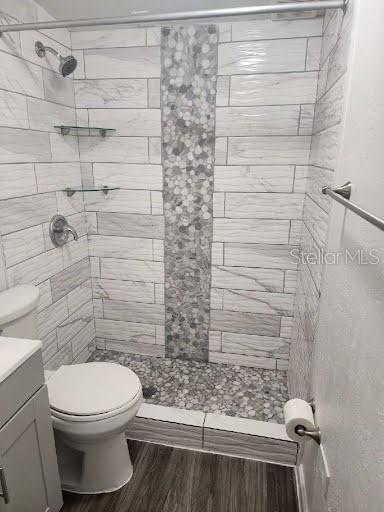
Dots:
(67, 64)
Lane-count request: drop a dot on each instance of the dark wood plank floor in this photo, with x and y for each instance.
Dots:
(169, 479)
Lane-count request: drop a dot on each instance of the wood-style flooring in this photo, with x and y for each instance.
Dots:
(170, 479)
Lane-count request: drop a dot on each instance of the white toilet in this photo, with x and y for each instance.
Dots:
(91, 406)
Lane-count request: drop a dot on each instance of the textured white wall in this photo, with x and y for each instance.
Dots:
(348, 370)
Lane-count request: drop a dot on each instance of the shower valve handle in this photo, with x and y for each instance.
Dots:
(59, 230)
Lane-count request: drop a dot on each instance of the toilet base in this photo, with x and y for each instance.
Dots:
(93, 468)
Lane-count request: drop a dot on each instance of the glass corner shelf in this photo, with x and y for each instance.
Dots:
(81, 130)
(70, 191)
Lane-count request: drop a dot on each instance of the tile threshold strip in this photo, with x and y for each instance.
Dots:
(196, 430)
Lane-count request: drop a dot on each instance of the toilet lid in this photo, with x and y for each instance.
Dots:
(92, 388)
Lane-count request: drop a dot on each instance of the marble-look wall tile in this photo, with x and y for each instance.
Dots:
(138, 312)
(254, 178)
(245, 323)
(264, 206)
(132, 270)
(130, 291)
(120, 247)
(258, 302)
(262, 56)
(249, 121)
(44, 115)
(133, 347)
(18, 145)
(13, 110)
(108, 93)
(17, 180)
(222, 94)
(128, 122)
(272, 29)
(67, 280)
(130, 332)
(254, 345)
(57, 176)
(114, 149)
(24, 244)
(273, 89)
(23, 212)
(109, 38)
(126, 224)
(267, 363)
(58, 90)
(51, 317)
(129, 176)
(278, 150)
(20, 76)
(140, 62)
(154, 98)
(248, 231)
(72, 325)
(123, 201)
(260, 255)
(79, 296)
(243, 278)
(82, 340)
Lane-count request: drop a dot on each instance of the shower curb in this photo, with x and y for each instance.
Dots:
(227, 435)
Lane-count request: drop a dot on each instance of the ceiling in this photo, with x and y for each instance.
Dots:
(75, 9)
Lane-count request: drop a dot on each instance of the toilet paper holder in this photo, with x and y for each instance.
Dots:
(313, 434)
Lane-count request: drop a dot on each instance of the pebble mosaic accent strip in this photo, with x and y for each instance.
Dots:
(212, 388)
(188, 94)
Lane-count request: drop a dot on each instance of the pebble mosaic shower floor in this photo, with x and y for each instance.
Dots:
(208, 387)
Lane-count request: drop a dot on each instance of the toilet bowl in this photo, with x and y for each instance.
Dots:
(91, 406)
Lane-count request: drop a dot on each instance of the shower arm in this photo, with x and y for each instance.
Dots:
(145, 19)
(42, 49)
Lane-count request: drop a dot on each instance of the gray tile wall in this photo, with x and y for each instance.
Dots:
(35, 164)
(267, 82)
(323, 160)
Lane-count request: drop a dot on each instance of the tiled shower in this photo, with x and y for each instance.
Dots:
(222, 136)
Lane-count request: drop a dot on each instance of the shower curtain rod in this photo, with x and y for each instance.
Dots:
(179, 16)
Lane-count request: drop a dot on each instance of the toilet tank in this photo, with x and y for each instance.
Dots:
(18, 312)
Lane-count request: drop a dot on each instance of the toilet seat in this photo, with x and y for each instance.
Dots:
(92, 391)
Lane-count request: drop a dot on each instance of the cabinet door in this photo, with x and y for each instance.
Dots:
(28, 459)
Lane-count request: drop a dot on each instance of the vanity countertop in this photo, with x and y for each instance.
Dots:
(14, 352)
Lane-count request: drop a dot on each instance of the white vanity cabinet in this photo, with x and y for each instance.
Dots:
(29, 478)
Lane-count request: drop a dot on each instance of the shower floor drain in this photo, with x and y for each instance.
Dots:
(149, 391)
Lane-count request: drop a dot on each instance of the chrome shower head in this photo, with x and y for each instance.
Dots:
(67, 64)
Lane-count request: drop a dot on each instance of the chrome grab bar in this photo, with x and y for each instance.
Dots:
(342, 195)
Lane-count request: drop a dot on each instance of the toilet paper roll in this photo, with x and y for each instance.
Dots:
(298, 412)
